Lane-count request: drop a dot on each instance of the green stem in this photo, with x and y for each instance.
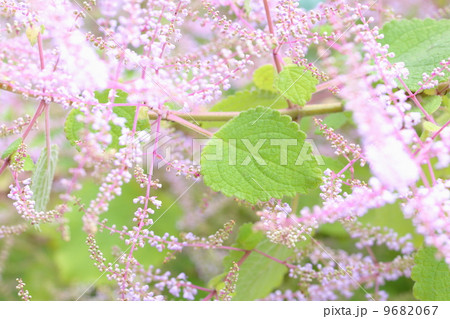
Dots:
(307, 110)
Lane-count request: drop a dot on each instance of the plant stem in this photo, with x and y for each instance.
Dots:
(244, 258)
(183, 118)
(307, 110)
(41, 51)
(210, 296)
(416, 102)
(275, 55)
(274, 259)
(38, 112)
(47, 131)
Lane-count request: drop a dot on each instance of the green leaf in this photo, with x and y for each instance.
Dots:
(102, 96)
(28, 164)
(245, 100)
(430, 103)
(432, 276)
(430, 127)
(264, 77)
(72, 126)
(246, 157)
(32, 35)
(259, 275)
(336, 120)
(42, 178)
(217, 281)
(391, 216)
(296, 84)
(247, 6)
(12, 148)
(420, 44)
(247, 237)
(446, 100)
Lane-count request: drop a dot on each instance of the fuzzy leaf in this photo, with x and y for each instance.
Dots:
(420, 44)
(264, 77)
(12, 148)
(72, 126)
(296, 84)
(245, 158)
(42, 178)
(432, 276)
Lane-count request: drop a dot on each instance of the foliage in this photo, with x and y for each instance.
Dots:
(431, 276)
(420, 44)
(250, 164)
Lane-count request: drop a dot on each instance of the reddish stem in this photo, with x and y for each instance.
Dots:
(41, 51)
(26, 132)
(276, 57)
(274, 259)
(244, 257)
(47, 130)
(209, 297)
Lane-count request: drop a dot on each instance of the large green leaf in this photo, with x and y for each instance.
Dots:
(42, 178)
(246, 159)
(432, 276)
(296, 84)
(420, 44)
